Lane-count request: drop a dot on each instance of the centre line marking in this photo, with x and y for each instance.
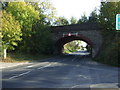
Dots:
(20, 75)
(45, 66)
(24, 73)
(13, 77)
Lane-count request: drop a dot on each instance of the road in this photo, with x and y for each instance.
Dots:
(61, 72)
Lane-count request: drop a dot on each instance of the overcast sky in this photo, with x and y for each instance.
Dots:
(76, 8)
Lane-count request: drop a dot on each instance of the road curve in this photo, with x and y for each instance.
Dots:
(61, 72)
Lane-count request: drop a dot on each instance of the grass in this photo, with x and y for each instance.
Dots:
(19, 57)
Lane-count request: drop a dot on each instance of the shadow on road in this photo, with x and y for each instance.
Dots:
(66, 71)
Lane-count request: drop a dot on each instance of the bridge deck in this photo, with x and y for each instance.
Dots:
(83, 26)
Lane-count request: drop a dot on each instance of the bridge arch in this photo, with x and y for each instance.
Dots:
(88, 32)
(63, 40)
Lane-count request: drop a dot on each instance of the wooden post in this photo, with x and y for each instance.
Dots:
(4, 53)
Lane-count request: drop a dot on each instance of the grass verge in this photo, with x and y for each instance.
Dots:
(20, 57)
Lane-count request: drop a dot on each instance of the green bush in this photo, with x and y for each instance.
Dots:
(109, 54)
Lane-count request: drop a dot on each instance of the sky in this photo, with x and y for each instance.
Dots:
(76, 8)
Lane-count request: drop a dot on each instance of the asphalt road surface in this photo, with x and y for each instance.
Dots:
(61, 72)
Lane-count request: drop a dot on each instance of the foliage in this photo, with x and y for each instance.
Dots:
(47, 11)
(41, 40)
(61, 21)
(83, 19)
(11, 31)
(73, 20)
(27, 16)
(72, 46)
(110, 54)
(93, 16)
(110, 48)
(107, 17)
(28, 22)
(17, 57)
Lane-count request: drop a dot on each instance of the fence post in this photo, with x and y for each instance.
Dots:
(4, 53)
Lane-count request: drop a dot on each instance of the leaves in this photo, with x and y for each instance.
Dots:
(61, 21)
(11, 31)
(73, 20)
(83, 19)
(47, 11)
(14, 43)
(25, 14)
(107, 15)
(72, 46)
(41, 41)
(110, 48)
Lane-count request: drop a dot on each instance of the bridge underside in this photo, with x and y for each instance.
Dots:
(61, 42)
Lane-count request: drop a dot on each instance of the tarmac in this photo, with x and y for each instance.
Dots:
(4, 65)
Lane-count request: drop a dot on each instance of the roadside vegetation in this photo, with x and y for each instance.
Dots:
(25, 29)
(74, 46)
(22, 57)
(110, 50)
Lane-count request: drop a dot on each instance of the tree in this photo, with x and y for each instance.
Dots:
(61, 21)
(107, 15)
(83, 19)
(110, 48)
(73, 20)
(47, 11)
(11, 31)
(107, 18)
(41, 40)
(27, 16)
(72, 46)
(93, 16)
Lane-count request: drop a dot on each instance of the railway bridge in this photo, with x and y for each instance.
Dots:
(88, 32)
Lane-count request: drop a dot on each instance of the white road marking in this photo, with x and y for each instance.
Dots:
(13, 77)
(29, 66)
(85, 77)
(20, 75)
(37, 68)
(24, 73)
(45, 66)
(39, 64)
(28, 71)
